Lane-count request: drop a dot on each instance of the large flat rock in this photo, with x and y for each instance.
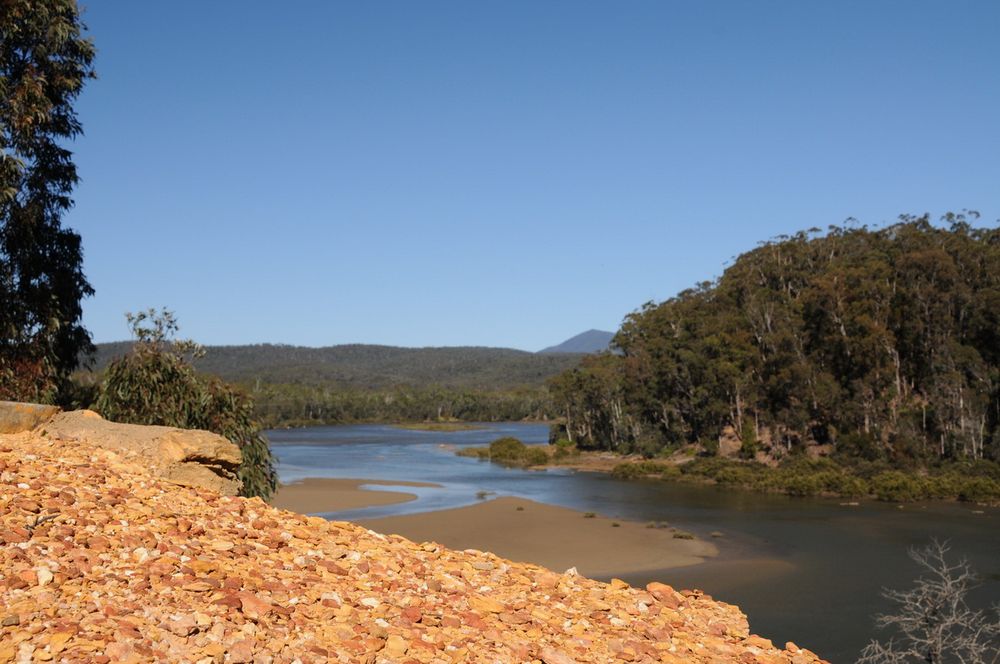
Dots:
(16, 417)
(189, 457)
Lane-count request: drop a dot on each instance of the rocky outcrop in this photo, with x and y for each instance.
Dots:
(183, 456)
(16, 417)
(103, 561)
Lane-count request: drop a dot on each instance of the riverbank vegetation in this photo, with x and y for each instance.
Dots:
(972, 481)
(879, 349)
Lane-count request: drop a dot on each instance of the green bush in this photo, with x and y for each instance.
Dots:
(156, 384)
(798, 484)
(847, 486)
(979, 490)
(671, 472)
(706, 466)
(895, 486)
(632, 470)
(535, 456)
(749, 445)
(507, 449)
(736, 475)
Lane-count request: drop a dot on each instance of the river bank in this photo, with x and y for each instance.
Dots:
(976, 482)
(322, 494)
(522, 530)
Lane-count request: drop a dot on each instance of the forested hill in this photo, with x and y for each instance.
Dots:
(360, 366)
(882, 344)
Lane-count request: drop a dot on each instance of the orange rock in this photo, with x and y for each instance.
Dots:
(241, 651)
(142, 570)
(253, 607)
(485, 604)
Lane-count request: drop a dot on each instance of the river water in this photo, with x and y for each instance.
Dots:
(808, 570)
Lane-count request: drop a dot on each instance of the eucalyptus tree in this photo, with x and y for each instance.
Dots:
(44, 62)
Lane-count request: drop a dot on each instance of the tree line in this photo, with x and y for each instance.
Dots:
(882, 344)
(371, 367)
(285, 404)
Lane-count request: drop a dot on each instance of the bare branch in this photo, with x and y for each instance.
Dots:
(933, 622)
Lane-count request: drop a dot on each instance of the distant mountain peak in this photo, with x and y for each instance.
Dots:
(591, 341)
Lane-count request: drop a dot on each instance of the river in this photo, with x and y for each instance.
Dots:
(803, 570)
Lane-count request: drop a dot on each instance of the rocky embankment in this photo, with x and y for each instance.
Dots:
(102, 559)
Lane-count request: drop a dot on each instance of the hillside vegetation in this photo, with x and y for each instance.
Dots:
(372, 367)
(295, 386)
(874, 345)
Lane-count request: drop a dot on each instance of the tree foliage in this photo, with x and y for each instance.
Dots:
(156, 384)
(44, 62)
(367, 367)
(301, 405)
(882, 343)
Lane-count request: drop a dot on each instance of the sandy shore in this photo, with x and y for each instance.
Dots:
(555, 537)
(331, 495)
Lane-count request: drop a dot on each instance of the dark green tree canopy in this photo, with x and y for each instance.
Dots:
(44, 62)
(882, 343)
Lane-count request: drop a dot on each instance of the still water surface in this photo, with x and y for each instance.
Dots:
(808, 570)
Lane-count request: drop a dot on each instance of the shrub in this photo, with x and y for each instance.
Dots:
(564, 450)
(535, 456)
(629, 471)
(507, 449)
(979, 490)
(671, 472)
(156, 384)
(749, 444)
(894, 486)
(848, 486)
(803, 484)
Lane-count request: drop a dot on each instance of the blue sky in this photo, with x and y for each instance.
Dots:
(506, 173)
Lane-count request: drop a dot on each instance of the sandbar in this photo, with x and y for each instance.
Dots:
(332, 495)
(550, 536)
